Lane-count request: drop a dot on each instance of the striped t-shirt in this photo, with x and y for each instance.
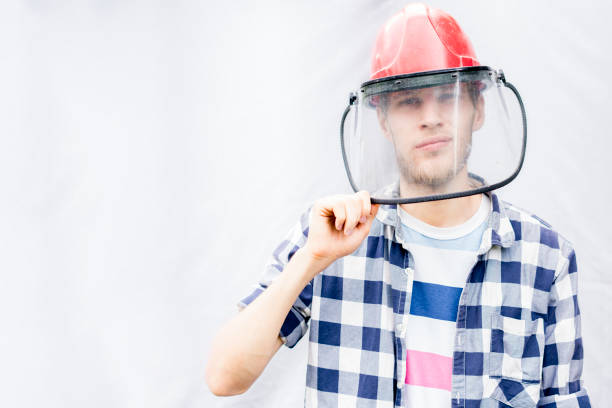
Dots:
(443, 258)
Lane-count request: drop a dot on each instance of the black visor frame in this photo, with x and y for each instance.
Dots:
(424, 80)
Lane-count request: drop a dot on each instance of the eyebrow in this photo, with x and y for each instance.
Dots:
(402, 94)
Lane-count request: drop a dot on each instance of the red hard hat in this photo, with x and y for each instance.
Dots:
(420, 38)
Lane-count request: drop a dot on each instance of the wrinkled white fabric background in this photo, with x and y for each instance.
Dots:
(152, 154)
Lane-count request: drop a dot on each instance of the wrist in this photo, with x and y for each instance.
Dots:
(312, 262)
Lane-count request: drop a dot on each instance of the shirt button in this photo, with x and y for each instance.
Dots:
(457, 396)
(460, 339)
(399, 384)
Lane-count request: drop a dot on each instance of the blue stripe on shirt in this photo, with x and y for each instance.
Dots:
(435, 301)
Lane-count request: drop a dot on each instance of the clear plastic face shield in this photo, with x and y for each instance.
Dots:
(436, 135)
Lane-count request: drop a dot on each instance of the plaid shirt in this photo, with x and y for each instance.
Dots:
(517, 340)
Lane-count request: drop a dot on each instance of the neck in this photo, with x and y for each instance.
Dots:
(445, 213)
(442, 213)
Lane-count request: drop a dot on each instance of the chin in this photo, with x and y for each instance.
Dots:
(429, 174)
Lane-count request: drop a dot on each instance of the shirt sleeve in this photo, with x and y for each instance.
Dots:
(563, 354)
(296, 322)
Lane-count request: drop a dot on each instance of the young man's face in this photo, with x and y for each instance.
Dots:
(431, 130)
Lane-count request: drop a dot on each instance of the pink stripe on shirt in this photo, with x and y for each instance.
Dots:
(428, 369)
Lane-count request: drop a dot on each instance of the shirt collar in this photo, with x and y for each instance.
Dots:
(499, 231)
(502, 231)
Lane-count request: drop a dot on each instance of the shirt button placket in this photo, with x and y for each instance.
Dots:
(457, 397)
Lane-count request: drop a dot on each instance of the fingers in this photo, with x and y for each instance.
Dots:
(348, 211)
(353, 213)
(339, 210)
(359, 208)
(366, 208)
(374, 210)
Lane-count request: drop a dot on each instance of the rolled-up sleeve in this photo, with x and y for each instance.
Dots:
(296, 323)
(562, 386)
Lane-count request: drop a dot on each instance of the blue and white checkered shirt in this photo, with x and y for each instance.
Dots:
(518, 339)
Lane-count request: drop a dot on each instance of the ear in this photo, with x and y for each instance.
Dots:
(384, 123)
(479, 114)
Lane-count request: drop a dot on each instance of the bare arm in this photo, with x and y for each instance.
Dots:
(243, 347)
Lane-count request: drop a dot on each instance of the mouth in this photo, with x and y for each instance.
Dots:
(432, 144)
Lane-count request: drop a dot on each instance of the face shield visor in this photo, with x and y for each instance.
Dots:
(433, 135)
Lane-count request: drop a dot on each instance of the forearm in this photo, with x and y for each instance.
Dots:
(244, 346)
(563, 351)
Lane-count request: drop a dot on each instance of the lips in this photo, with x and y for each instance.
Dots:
(434, 143)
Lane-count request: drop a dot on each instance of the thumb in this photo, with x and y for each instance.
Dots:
(374, 210)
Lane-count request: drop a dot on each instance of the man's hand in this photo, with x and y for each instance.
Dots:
(338, 225)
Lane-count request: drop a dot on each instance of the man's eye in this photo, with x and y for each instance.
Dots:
(447, 96)
(410, 101)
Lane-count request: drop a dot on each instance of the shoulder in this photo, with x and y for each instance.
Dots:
(534, 234)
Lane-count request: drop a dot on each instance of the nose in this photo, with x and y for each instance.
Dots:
(431, 115)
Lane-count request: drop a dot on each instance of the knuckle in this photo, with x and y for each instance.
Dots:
(340, 215)
(364, 194)
(321, 202)
(362, 207)
(345, 199)
(355, 207)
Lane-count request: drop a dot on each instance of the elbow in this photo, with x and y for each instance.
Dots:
(222, 388)
(223, 385)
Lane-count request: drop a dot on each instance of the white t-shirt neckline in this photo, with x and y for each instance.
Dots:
(447, 233)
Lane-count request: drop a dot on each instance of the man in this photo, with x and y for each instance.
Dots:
(441, 294)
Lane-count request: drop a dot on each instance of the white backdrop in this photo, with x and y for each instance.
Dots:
(152, 154)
